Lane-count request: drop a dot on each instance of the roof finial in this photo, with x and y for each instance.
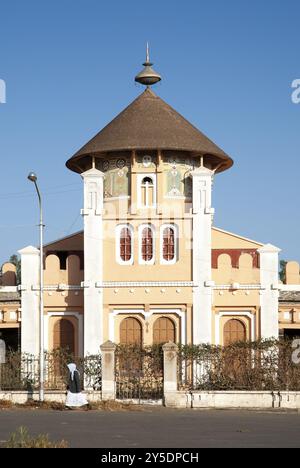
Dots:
(148, 76)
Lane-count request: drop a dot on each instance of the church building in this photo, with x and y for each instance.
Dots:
(149, 266)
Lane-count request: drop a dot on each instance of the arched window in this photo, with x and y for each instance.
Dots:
(164, 331)
(64, 335)
(147, 244)
(131, 331)
(124, 244)
(234, 331)
(169, 239)
(147, 192)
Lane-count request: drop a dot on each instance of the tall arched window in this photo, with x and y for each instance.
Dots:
(147, 244)
(164, 331)
(234, 331)
(131, 331)
(124, 244)
(169, 244)
(64, 335)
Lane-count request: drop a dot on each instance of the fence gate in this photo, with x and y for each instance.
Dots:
(139, 373)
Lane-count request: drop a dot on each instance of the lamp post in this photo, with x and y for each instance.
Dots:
(33, 178)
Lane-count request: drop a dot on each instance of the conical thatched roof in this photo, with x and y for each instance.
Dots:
(149, 123)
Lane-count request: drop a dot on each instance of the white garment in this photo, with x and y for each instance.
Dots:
(76, 400)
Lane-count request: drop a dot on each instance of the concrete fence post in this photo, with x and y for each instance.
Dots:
(170, 351)
(108, 371)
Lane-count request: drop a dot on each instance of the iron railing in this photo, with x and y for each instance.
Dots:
(139, 373)
(21, 371)
(262, 365)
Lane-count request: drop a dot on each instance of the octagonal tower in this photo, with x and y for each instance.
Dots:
(147, 219)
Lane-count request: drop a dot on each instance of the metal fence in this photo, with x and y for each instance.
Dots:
(139, 373)
(21, 371)
(263, 365)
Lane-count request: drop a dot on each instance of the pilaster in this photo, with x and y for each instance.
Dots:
(202, 273)
(30, 278)
(269, 298)
(93, 260)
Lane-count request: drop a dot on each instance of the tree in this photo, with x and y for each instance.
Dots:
(15, 260)
(282, 272)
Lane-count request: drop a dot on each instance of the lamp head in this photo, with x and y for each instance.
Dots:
(32, 177)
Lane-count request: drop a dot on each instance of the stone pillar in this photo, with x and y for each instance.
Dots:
(108, 371)
(30, 300)
(202, 273)
(93, 260)
(269, 304)
(170, 351)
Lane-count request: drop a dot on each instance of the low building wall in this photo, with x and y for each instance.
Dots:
(205, 400)
(233, 400)
(54, 396)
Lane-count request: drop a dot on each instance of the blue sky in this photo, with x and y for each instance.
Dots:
(227, 67)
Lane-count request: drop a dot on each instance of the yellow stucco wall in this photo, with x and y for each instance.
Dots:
(168, 210)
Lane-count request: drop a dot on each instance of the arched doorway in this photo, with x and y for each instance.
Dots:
(234, 331)
(64, 335)
(131, 331)
(164, 331)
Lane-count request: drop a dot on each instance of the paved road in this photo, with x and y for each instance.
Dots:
(158, 428)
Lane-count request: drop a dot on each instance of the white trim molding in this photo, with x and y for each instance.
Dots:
(118, 231)
(240, 287)
(289, 287)
(234, 314)
(58, 287)
(8, 289)
(142, 284)
(179, 312)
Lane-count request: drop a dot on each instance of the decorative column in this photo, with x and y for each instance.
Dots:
(170, 351)
(30, 300)
(108, 371)
(269, 304)
(202, 274)
(93, 260)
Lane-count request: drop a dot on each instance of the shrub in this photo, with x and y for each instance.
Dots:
(22, 439)
(260, 365)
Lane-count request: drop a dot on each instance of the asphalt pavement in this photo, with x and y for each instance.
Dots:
(155, 427)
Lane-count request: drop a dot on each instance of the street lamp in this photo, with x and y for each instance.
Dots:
(33, 178)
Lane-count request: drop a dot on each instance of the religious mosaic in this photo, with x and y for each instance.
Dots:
(178, 182)
(117, 176)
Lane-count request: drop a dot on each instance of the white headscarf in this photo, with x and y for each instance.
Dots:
(72, 368)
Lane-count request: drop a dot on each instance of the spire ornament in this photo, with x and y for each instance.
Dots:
(148, 76)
